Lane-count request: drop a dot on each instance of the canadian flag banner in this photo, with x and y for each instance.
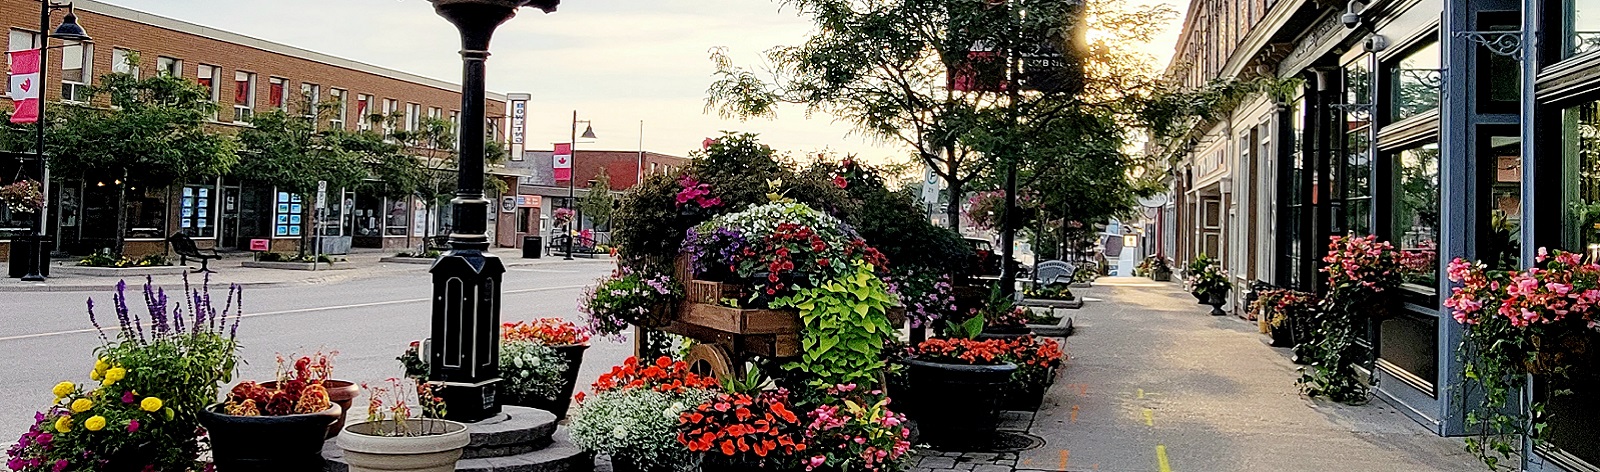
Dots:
(563, 162)
(24, 85)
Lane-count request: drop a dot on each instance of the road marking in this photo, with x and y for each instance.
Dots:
(1149, 417)
(1064, 455)
(1141, 394)
(1161, 459)
(299, 310)
(1074, 413)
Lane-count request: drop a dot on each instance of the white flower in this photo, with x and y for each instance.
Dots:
(619, 432)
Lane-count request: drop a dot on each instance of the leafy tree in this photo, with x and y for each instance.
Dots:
(153, 135)
(599, 202)
(288, 151)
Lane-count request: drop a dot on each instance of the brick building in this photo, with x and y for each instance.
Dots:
(245, 75)
(539, 193)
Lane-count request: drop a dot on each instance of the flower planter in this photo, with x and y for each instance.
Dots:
(1025, 396)
(627, 464)
(340, 392)
(955, 405)
(573, 355)
(1282, 334)
(1217, 300)
(1199, 296)
(267, 443)
(1161, 276)
(1004, 332)
(366, 452)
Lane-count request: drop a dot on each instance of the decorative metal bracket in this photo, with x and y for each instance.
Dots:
(1505, 43)
(1366, 108)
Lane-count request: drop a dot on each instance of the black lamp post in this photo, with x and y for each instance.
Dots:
(38, 259)
(588, 133)
(465, 352)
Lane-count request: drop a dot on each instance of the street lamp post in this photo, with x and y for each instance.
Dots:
(38, 259)
(464, 355)
(572, 178)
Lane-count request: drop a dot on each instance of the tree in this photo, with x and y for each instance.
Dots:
(431, 145)
(287, 151)
(598, 203)
(153, 134)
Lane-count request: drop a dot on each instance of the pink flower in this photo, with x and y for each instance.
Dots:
(133, 426)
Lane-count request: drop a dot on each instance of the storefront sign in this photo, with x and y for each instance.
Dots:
(508, 204)
(528, 201)
(519, 119)
(260, 245)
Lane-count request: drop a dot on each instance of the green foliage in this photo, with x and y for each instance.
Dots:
(286, 151)
(638, 425)
(531, 370)
(1362, 272)
(967, 329)
(845, 326)
(599, 202)
(154, 133)
(892, 221)
(647, 227)
(106, 259)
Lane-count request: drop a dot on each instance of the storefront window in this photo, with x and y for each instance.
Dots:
(1500, 244)
(194, 211)
(1414, 83)
(1357, 172)
(1581, 28)
(396, 221)
(288, 214)
(147, 213)
(1293, 193)
(1416, 214)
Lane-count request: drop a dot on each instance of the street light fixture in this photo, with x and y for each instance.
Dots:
(588, 133)
(37, 258)
(464, 355)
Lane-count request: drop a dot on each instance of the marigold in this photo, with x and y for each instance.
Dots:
(95, 423)
(63, 389)
(81, 405)
(64, 424)
(101, 365)
(114, 374)
(150, 404)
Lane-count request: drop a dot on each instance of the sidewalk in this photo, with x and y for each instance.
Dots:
(363, 263)
(1154, 384)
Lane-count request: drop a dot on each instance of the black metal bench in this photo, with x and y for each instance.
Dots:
(184, 246)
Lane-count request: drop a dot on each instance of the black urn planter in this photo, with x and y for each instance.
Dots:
(955, 405)
(1026, 395)
(267, 443)
(573, 355)
(1161, 276)
(1282, 335)
(1217, 300)
(1199, 296)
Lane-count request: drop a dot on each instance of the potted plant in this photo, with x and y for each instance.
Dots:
(1157, 268)
(853, 429)
(1056, 291)
(736, 432)
(392, 439)
(1192, 276)
(151, 377)
(1278, 309)
(634, 413)
(629, 297)
(341, 392)
(279, 428)
(566, 341)
(1212, 281)
(953, 386)
(1037, 360)
(1002, 317)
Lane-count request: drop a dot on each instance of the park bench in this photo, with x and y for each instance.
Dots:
(1050, 272)
(184, 246)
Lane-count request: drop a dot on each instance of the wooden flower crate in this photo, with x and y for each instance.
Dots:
(712, 293)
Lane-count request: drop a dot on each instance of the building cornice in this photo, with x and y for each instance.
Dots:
(185, 27)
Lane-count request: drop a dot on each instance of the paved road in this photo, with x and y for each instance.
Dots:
(46, 337)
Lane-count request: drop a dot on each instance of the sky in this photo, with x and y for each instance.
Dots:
(616, 62)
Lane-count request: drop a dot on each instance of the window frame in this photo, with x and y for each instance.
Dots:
(76, 91)
(120, 64)
(243, 112)
(174, 66)
(341, 108)
(282, 86)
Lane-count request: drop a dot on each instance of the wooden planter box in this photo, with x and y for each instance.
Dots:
(762, 332)
(708, 292)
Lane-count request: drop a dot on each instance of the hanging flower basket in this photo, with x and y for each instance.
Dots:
(1565, 349)
(23, 196)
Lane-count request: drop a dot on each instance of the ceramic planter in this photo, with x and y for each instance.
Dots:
(573, 355)
(367, 452)
(267, 443)
(955, 405)
(340, 392)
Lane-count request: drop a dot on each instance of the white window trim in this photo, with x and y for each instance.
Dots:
(250, 105)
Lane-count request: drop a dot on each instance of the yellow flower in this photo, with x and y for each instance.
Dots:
(168, 413)
(150, 404)
(95, 375)
(64, 424)
(63, 389)
(114, 374)
(81, 405)
(101, 365)
(95, 423)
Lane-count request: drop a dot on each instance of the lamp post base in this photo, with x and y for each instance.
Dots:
(30, 258)
(469, 403)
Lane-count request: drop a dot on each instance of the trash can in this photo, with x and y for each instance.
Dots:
(532, 247)
(22, 248)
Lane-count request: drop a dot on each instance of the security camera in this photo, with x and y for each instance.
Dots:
(1375, 43)
(1350, 20)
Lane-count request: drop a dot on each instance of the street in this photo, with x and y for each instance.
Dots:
(46, 337)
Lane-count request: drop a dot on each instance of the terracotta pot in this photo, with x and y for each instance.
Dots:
(367, 452)
(340, 392)
(267, 443)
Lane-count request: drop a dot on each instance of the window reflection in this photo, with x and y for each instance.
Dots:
(1416, 214)
(1581, 133)
(1501, 246)
(1582, 27)
(1414, 83)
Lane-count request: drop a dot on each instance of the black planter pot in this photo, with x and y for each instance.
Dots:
(267, 443)
(955, 405)
(1004, 332)
(627, 464)
(1025, 396)
(1217, 300)
(573, 355)
(1199, 297)
(1282, 335)
(1161, 276)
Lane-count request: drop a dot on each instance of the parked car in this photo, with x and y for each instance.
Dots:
(986, 261)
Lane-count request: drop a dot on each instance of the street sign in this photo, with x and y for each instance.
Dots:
(930, 186)
(322, 194)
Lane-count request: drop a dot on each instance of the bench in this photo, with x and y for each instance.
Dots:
(184, 246)
(1050, 272)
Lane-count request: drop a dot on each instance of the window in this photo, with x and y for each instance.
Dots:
(455, 125)
(23, 39)
(194, 211)
(276, 93)
(390, 106)
(396, 221)
(76, 58)
(244, 96)
(125, 61)
(146, 212)
(207, 76)
(1580, 127)
(1416, 215)
(413, 117)
(364, 112)
(287, 215)
(1356, 174)
(311, 96)
(435, 113)
(1499, 243)
(1581, 28)
(1414, 83)
(169, 67)
(336, 121)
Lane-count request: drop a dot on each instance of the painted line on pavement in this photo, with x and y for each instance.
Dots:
(1141, 394)
(297, 311)
(1074, 413)
(1149, 417)
(1161, 459)
(1064, 455)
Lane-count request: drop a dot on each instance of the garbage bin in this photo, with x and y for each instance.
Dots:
(22, 248)
(532, 247)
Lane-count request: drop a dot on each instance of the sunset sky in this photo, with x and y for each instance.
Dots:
(615, 61)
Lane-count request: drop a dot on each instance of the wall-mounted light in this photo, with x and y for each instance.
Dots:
(1352, 15)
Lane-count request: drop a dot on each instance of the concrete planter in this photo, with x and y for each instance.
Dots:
(1081, 284)
(366, 452)
(292, 265)
(407, 260)
(118, 271)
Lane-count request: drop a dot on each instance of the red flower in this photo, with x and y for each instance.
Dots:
(839, 181)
